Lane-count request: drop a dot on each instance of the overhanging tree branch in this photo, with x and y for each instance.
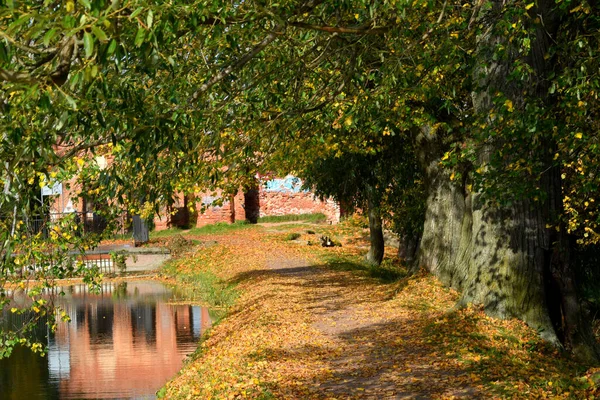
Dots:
(240, 62)
(15, 77)
(341, 29)
(24, 47)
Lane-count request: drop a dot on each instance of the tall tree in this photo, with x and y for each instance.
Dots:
(497, 99)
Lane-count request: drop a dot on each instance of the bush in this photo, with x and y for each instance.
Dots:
(179, 245)
(292, 236)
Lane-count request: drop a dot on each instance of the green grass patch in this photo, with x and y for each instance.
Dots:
(206, 287)
(314, 218)
(387, 272)
(287, 227)
(220, 227)
(292, 236)
(217, 228)
(165, 233)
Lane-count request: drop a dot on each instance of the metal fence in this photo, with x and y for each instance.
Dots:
(86, 223)
(68, 267)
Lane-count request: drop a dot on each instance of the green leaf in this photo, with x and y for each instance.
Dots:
(136, 12)
(100, 118)
(19, 22)
(74, 80)
(71, 102)
(150, 19)
(3, 52)
(61, 121)
(112, 47)
(85, 3)
(88, 44)
(139, 37)
(99, 33)
(49, 36)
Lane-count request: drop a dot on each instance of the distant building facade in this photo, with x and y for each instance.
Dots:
(271, 197)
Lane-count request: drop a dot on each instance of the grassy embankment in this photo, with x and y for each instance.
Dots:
(203, 283)
(308, 322)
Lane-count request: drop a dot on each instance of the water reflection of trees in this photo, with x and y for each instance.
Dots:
(125, 330)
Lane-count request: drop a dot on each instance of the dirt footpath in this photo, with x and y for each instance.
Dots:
(301, 329)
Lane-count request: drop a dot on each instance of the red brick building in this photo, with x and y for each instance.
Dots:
(271, 197)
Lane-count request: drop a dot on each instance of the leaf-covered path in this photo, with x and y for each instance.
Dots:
(374, 352)
(303, 328)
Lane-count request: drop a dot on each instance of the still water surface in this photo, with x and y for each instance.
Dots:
(123, 343)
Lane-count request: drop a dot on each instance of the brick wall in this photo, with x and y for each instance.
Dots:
(282, 203)
(279, 196)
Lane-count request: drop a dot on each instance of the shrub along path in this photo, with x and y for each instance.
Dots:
(305, 328)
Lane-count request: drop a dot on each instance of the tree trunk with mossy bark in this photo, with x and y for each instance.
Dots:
(408, 249)
(376, 251)
(505, 258)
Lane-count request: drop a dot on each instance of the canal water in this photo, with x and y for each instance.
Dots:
(122, 343)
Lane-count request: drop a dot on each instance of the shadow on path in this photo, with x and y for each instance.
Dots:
(372, 354)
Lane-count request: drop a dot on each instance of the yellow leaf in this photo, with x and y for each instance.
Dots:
(70, 6)
(528, 6)
(13, 310)
(509, 105)
(578, 135)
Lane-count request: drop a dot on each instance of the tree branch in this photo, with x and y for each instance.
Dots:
(15, 77)
(24, 47)
(242, 61)
(341, 29)
(82, 146)
(239, 63)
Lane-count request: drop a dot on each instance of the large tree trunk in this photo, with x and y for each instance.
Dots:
(571, 320)
(495, 258)
(376, 251)
(408, 248)
(505, 258)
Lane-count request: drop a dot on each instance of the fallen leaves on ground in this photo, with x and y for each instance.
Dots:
(301, 329)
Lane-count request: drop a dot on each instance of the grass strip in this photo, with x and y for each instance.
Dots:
(314, 218)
